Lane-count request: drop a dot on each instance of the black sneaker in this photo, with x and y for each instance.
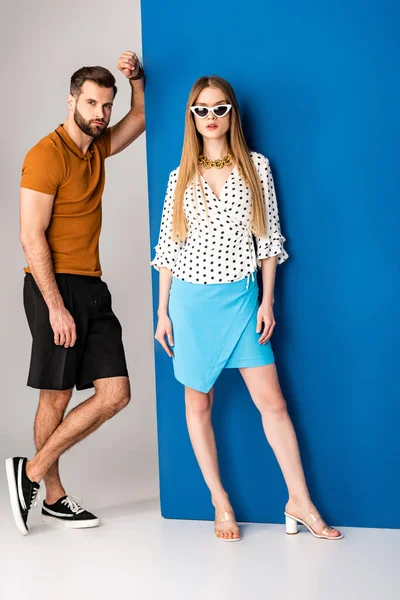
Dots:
(68, 513)
(23, 491)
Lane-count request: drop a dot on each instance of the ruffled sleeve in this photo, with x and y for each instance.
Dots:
(271, 244)
(167, 250)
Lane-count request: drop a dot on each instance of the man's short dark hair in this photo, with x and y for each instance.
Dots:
(103, 77)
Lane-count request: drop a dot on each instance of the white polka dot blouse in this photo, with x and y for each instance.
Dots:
(220, 246)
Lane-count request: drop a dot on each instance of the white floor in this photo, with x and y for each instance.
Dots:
(138, 554)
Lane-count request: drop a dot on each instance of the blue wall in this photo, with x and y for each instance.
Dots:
(318, 88)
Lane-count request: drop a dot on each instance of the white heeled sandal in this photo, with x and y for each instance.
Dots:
(292, 527)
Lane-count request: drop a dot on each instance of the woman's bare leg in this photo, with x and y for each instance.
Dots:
(201, 432)
(264, 388)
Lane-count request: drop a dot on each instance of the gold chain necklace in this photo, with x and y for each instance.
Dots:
(218, 164)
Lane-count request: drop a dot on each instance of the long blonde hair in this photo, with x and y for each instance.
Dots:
(193, 146)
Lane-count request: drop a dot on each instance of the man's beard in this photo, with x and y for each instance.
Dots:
(92, 130)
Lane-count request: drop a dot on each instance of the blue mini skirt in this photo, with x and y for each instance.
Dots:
(214, 327)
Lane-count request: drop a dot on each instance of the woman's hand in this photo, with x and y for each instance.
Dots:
(164, 328)
(265, 315)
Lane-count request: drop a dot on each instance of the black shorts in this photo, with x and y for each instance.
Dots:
(98, 352)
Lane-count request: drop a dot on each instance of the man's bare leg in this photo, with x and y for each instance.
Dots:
(112, 395)
(49, 415)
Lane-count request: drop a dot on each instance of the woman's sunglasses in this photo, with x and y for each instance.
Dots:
(203, 111)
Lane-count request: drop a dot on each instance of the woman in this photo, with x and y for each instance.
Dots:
(217, 200)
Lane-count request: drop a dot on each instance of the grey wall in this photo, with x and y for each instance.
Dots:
(41, 45)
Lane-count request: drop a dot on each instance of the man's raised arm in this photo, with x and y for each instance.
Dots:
(133, 124)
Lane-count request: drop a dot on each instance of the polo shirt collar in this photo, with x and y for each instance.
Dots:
(72, 146)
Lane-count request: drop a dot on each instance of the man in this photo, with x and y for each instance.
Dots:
(77, 339)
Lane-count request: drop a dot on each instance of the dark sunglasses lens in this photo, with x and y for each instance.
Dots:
(201, 112)
(221, 111)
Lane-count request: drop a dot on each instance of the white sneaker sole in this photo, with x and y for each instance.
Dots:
(70, 524)
(13, 491)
